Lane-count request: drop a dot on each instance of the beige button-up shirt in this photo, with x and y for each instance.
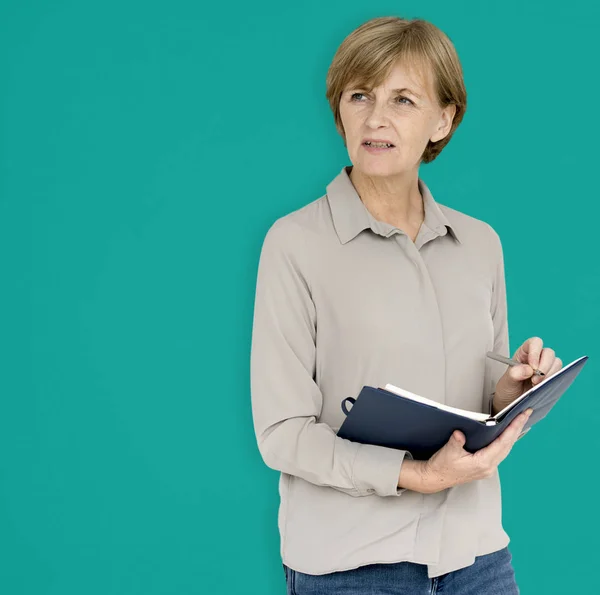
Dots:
(343, 300)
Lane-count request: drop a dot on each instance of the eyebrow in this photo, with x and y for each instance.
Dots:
(406, 89)
(395, 91)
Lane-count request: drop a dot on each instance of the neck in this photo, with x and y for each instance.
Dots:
(395, 200)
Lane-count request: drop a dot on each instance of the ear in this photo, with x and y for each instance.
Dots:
(445, 123)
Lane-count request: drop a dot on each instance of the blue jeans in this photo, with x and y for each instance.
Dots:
(491, 574)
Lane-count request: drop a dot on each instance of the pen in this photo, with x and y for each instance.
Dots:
(510, 362)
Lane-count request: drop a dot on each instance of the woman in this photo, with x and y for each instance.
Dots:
(373, 283)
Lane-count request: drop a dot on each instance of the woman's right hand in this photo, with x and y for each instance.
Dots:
(453, 465)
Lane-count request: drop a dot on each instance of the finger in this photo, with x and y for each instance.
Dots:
(530, 352)
(458, 439)
(504, 441)
(515, 427)
(556, 366)
(520, 373)
(512, 431)
(547, 358)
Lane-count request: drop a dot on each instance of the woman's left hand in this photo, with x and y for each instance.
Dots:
(519, 379)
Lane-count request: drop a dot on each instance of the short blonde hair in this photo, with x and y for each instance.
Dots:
(367, 55)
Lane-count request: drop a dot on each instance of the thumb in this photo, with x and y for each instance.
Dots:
(458, 438)
(519, 373)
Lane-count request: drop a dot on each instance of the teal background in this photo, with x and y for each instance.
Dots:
(145, 148)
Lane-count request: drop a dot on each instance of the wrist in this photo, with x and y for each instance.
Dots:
(498, 405)
(414, 476)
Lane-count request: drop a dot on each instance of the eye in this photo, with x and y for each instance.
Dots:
(352, 98)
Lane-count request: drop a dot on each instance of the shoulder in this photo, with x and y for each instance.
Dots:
(290, 244)
(470, 227)
(473, 232)
(296, 229)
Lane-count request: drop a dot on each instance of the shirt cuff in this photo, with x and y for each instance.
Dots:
(376, 470)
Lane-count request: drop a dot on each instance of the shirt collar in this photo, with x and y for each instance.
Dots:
(351, 216)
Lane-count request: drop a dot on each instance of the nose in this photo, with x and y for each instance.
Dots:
(377, 115)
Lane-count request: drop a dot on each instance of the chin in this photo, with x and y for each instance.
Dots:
(383, 167)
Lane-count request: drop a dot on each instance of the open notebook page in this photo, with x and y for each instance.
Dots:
(464, 412)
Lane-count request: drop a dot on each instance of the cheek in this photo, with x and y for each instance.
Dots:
(352, 125)
(429, 127)
(417, 135)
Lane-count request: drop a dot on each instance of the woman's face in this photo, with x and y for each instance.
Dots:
(402, 111)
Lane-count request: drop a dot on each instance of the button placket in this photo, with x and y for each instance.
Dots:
(436, 326)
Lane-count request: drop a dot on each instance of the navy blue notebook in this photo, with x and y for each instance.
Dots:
(384, 418)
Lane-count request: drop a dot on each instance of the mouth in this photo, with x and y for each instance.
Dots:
(378, 147)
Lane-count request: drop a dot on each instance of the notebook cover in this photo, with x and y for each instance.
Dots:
(383, 418)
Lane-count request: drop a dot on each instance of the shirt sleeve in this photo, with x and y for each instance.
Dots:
(499, 312)
(286, 400)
